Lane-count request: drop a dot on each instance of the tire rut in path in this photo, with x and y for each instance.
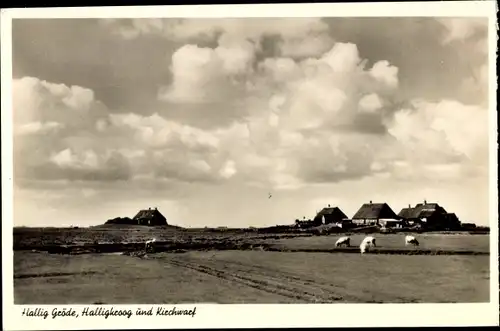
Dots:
(324, 285)
(271, 284)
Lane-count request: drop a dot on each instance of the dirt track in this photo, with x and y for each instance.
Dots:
(266, 280)
(271, 280)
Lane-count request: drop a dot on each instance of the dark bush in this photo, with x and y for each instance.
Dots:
(121, 220)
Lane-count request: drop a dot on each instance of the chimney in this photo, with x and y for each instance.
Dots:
(370, 202)
(156, 208)
(409, 206)
(425, 202)
(328, 205)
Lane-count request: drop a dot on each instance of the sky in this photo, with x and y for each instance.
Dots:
(205, 118)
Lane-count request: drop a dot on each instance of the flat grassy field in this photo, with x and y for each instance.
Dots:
(248, 277)
(29, 237)
(453, 242)
(37, 238)
(241, 266)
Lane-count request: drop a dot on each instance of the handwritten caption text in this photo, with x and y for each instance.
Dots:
(105, 312)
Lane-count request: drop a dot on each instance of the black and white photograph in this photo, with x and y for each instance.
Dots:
(252, 160)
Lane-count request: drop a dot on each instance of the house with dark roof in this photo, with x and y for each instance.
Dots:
(431, 216)
(375, 214)
(150, 217)
(406, 213)
(329, 215)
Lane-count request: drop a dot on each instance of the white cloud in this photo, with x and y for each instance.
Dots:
(200, 165)
(310, 46)
(202, 74)
(459, 29)
(441, 135)
(304, 121)
(229, 169)
(370, 103)
(343, 57)
(36, 100)
(68, 159)
(385, 73)
(38, 128)
(280, 69)
(184, 30)
(196, 72)
(237, 55)
(155, 131)
(286, 141)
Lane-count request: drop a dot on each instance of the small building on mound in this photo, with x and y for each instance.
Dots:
(151, 217)
(375, 214)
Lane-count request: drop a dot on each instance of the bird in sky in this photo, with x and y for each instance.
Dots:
(270, 196)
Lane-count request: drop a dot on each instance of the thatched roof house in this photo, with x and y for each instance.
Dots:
(422, 210)
(150, 217)
(330, 215)
(372, 213)
(406, 213)
(432, 215)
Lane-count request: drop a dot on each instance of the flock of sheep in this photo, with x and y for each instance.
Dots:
(367, 242)
(370, 241)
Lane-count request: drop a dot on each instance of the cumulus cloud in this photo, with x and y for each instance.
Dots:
(67, 159)
(229, 169)
(385, 73)
(287, 139)
(300, 47)
(302, 117)
(443, 135)
(50, 119)
(37, 128)
(460, 29)
(477, 84)
(74, 165)
(309, 128)
(202, 74)
(370, 103)
(156, 132)
(469, 35)
(37, 100)
(184, 29)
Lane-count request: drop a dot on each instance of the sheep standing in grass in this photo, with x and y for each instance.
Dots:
(346, 241)
(411, 240)
(150, 244)
(366, 243)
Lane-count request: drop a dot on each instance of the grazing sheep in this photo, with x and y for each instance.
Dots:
(150, 244)
(366, 243)
(411, 240)
(343, 241)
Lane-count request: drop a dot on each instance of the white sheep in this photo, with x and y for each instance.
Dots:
(366, 243)
(411, 240)
(149, 243)
(343, 241)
